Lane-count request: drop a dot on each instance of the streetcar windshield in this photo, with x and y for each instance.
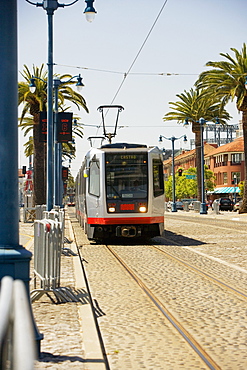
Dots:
(126, 175)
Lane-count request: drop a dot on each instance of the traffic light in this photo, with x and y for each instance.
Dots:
(180, 172)
(24, 170)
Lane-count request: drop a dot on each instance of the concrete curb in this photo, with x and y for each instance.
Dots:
(93, 354)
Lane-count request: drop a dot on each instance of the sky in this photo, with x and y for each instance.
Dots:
(163, 59)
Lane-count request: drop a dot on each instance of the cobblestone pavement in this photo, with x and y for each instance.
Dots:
(63, 346)
(135, 335)
(216, 318)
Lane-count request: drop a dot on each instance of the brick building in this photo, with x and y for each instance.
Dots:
(226, 162)
(185, 159)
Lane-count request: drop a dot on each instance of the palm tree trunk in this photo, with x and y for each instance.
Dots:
(39, 167)
(243, 208)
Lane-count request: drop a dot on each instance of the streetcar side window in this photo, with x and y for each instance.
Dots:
(94, 178)
(158, 178)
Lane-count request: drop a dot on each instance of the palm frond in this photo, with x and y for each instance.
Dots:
(226, 79)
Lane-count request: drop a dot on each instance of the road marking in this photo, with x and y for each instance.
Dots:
(218, 260)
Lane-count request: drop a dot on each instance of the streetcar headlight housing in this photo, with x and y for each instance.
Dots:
(111, 207)
(142, 207)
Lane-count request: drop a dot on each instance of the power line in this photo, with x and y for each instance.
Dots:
(128, 126)
(164, 74)
(139, 52)
(137, 55)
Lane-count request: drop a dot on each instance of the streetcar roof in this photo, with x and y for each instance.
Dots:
(123, 147)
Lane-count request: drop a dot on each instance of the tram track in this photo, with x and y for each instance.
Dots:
(192, 307)
(236, 225)
(201, 272)
(204, 356)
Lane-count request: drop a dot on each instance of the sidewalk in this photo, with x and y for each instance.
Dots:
(70, 338)
(227, 215)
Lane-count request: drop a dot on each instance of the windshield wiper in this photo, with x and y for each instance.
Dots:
(116, 192)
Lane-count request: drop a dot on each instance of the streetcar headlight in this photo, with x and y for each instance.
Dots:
(142, 207)
(111, 207)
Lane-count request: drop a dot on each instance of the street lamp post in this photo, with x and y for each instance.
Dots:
(50, 6)
(202, 121)
(203, 209)
(58, 146)
(173, 139)
(235, 183)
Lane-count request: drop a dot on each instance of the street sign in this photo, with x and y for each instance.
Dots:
(64, 127)
(191, 177)
(65, 173)
(42, 126)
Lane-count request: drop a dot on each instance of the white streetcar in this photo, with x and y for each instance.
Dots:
(120, 191)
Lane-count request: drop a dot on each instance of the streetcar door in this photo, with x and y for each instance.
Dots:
(158, 186)
(93, 188)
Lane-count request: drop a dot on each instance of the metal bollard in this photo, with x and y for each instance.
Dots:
(216, 208)
(197, 205)
(186, 206)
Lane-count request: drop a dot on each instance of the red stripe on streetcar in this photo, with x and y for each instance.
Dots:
(121, 221)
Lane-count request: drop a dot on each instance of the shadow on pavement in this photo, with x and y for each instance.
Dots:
(169, 237)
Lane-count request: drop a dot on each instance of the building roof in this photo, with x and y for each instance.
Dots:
(235, 146)
(208, 148)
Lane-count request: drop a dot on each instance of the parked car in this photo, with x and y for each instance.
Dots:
(225, 204)
(191, 205)
(179, 205)
(196, 205)
(237, 205)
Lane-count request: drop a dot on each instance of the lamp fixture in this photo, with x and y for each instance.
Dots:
(79, 83)
(32, 86)
(186, 122)
(90, 11)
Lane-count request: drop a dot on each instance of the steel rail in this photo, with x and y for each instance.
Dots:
(176, 324)
(200, 272)
(207, 222)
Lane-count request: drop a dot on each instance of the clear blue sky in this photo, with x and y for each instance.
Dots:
(187, 34)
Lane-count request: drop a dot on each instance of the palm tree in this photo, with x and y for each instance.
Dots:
(33, 104)
(227, 81)
(192, 106)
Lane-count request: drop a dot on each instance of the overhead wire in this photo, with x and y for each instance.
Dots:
(137, 55)
(166, 74)
(125, 75)
(139, 51)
